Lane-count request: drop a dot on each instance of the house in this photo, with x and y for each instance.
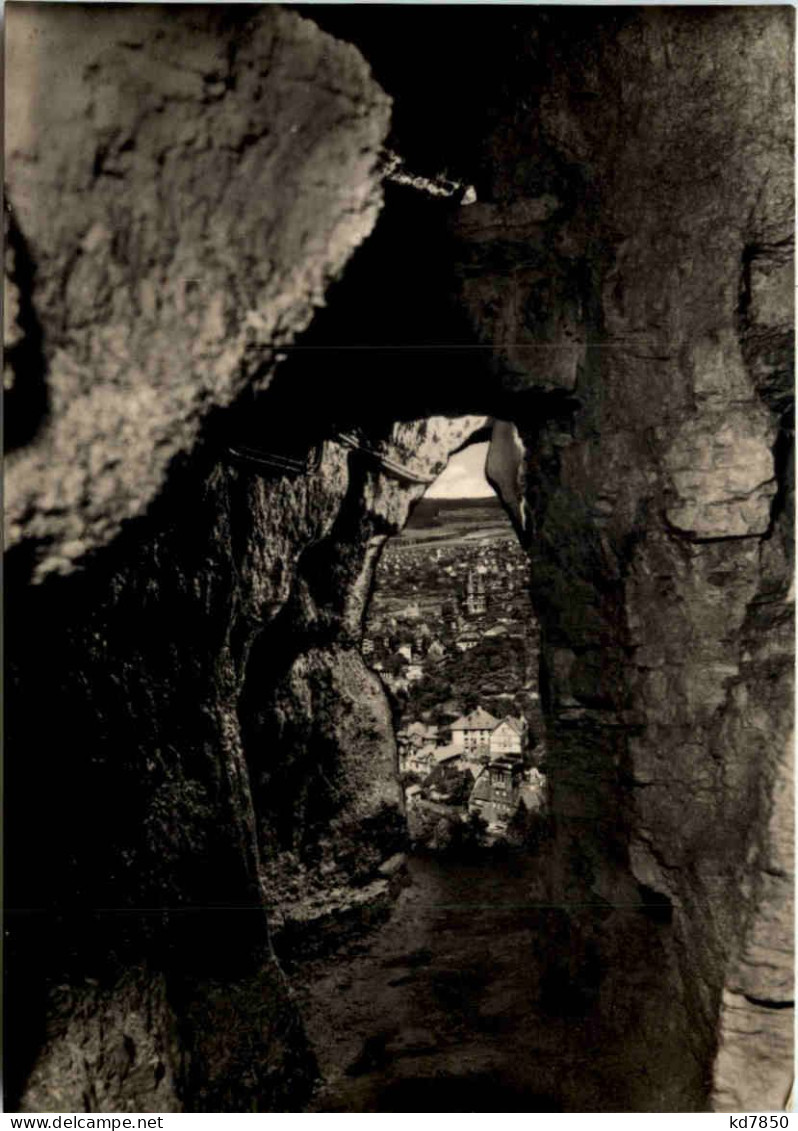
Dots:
(419, 761)
(426, 732)
(476, 759)
(448, 781)
(473, 730)
(497, 792)
(450, 755)
(507, 738)
(416, 735)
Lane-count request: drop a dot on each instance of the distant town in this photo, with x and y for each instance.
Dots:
(452, 635)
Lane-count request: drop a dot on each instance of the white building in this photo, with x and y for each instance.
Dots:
(507, 738)
(475, 600)
(473, 730)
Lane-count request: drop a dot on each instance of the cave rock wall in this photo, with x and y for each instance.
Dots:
(639, 269)
(176, 214)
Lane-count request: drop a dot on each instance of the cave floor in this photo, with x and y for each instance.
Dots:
(476, 995)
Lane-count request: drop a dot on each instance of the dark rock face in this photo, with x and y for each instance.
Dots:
(196, 184)
(658, 523)
(195, 745)
(160, 297)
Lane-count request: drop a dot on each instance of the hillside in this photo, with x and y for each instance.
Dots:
(442, 520)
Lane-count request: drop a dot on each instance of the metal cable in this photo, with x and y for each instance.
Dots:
(400, 471)
(272, 461)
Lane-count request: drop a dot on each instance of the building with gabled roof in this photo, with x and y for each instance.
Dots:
(416, 734)
(507, 737)
(417, 759)
(473, 730)
(449, 754)
(476, 759)
(495, 794)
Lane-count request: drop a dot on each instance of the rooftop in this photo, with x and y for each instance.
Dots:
(516, 724)
(445, 753)
(424, 730)
(482, 791)
(477, 720)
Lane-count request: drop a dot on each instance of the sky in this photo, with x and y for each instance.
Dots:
(463, 477)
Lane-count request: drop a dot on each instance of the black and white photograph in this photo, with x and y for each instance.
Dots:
(399, 559)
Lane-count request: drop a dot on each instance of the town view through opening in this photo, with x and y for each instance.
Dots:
(485, 949)
(452, 634)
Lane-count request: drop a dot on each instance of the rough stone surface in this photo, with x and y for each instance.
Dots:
(115, 1052)
(229, 808)
(654, 298)
(213, 172)
(190, 624)
(317, 727)
(176, 214)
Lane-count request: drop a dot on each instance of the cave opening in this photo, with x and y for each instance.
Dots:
(451, 632)
(387, 885)
(429, 991)
(385, 900)
(422, 952)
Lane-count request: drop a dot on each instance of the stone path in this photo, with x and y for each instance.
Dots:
(477, 996)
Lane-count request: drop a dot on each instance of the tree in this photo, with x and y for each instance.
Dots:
(453, 783)
(527, 829)
(470, 702)
(475, 829)
(395, 664)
